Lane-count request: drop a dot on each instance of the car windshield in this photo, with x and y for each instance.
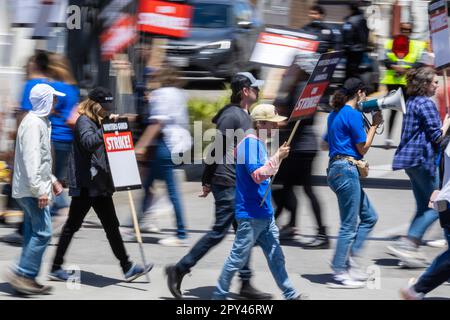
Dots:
(208, 15)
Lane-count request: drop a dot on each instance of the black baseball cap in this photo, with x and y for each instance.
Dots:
(352, 85)
(103, 96)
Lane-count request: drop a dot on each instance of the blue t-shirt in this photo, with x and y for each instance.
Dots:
(345, 131)
(63, 109)
(25, 104)
(251, 154)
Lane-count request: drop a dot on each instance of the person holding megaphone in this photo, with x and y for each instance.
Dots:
(417, 154)
(348, 142)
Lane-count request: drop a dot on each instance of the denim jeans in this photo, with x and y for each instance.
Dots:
(61, 151)
(224, 202)
(343, 179)
(437, 273)
(263, 232)
(161, 168)
(37, 228)
(423, 185)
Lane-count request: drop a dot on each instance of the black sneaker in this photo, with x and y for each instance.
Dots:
(320, 242)
(174, 278)
(250, 292)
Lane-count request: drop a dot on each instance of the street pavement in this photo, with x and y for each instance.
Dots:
(309, 270)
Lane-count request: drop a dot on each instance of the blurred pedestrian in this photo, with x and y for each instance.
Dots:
(33, 184)
(62, 135)
(232, 121)
(167, 134)
(400, 55)
(256, 223)
(418, 153)
(91, 186)
(355, 35)
(439, 270)
(347, 143)
(297, 168)
(320, 29)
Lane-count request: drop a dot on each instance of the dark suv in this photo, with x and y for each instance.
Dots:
(221, 40)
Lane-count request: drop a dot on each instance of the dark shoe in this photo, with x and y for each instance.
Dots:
(250, 292)
(320, 242)
(28, 286)
(302, 296)
(174, 278)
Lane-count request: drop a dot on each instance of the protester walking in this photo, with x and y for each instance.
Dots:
(256, 223)
(167, 134)
(219, 177)
(348, 142)
(297, 168)
(91, 186)
(417, 154)
(439, 270)
(33, 185)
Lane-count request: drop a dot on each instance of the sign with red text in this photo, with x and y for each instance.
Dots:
(165, 18)
(318, 82)
(120, 151)
(278, 47)
(440, 36)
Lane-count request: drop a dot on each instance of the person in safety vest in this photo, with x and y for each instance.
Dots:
(400, 55)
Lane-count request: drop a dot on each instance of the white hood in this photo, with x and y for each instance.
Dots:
(41, 98)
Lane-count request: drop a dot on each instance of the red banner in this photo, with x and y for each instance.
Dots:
(164, 18)
(118, 37)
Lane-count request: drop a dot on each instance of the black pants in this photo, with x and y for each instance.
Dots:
(354, 60)
(104, 208)
(224, 200)
(296, 170)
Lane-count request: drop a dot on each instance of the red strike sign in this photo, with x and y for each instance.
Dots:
(310, 99)
(122, 141)
(118, 37)
(291, 42)
(164, 18)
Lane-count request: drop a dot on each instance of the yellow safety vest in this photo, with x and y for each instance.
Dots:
(416, 49)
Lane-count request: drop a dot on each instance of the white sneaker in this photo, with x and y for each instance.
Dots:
(173, 242)
(441, 243)
(345, 281)
(357, 273)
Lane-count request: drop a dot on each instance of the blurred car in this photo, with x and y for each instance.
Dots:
(221, 40)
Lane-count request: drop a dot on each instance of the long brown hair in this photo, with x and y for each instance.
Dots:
(59, 69)
(419, 81)
(91, 109)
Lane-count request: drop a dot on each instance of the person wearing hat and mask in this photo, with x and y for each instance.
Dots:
(256, 223)
(91, 186)
(34, 186)
(347, 141)
(219, 177)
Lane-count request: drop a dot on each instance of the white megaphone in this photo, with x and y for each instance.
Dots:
(393, 100)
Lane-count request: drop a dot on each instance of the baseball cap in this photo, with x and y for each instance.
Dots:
(266, 112)
(101, 95)
(41, 90)
(41, 98)
(352, 85)
(253, 81)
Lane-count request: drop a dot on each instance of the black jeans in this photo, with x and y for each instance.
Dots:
(224, 202)
(354, 59)
(104, 208)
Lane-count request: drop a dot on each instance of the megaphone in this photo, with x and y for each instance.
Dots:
(393, 100)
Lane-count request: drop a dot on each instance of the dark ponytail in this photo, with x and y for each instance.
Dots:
(42, 61)
(339, 99)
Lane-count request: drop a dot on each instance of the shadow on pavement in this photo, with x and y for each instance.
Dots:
(323, 278)
(96, 280)
(203, 293)
(5, 287)
(386, 262)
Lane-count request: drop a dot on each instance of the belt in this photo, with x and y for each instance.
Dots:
(340, 157)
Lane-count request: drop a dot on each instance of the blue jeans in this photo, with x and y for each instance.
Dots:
(37, 230)
(438, 272)
(423, 185)
(61, 151)
(343, 179)
(161, 168)
(263, 232)
(224, 202)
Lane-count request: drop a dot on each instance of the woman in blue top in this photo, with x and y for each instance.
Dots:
(347, 141)
(417, 153)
